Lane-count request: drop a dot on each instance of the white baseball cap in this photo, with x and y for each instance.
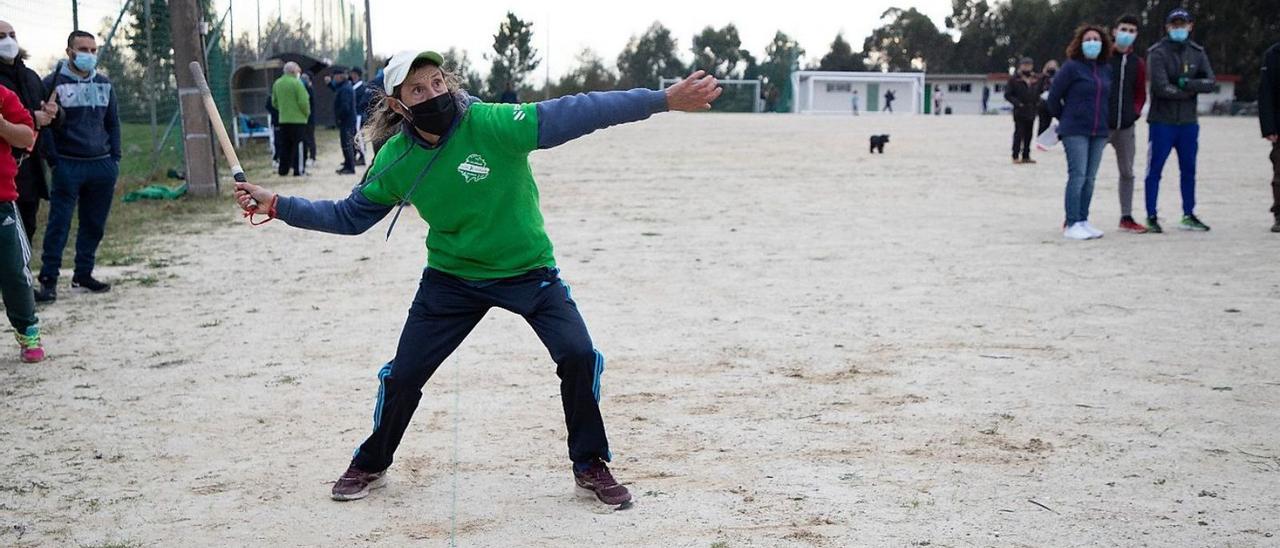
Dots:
(397, 68)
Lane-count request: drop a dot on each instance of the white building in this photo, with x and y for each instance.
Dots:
(832, 92)
(963, 92)
(1225, 95)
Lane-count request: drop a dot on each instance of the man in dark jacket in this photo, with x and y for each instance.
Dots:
(1128, 96)
(363, 98)
(344, 114)
(25, 83)
(309, 139)
(1023, 93)
(1269, 117)
(1179, 72)
(87, 157)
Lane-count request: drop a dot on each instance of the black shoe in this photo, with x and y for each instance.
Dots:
(1153, 226)
(1276, 227)
(85, 281)
(346, 171)
(360, 162)
(48, 291)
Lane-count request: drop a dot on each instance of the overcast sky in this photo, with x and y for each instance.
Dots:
(605, 27)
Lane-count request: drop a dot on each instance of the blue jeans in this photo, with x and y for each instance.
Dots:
(1084, 154)
(92, 183)
(1163, 139)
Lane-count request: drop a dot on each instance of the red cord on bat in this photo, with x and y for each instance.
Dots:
(271, 212)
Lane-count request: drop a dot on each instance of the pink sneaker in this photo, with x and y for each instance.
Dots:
(32, 352)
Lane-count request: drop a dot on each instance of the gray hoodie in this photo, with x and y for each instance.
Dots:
(1168, 63)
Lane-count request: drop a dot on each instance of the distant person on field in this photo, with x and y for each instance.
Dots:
(1046, 80)
(1269, 117)
(309, 140)
(17, 131)
(363, 97)
(855, 102)
(87, 163)
(1180, 72)
(273, 122)
(33, 184)
(344, 114)
(1078, 99)
(509, 94)
(986, 98)
(289, 97)
(937, 101)
(1023, 93)
(1128, 95)
(889, 97)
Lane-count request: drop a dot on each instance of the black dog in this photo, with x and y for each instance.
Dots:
(878, 142)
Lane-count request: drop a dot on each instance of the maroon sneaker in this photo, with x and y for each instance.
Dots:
(598, 481)
(356, 484)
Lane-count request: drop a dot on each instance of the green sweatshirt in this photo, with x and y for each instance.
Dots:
(478, 197)
(289, 96)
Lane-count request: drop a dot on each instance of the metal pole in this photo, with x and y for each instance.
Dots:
(151, 57)
(258, 50)
(546, 58)
(368, 41)
(75, 14)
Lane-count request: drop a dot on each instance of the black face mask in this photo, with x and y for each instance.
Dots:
(434, 115)
(1051, 72)
(1026, 73)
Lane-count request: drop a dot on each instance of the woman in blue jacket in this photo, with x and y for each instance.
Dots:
(1078, 99)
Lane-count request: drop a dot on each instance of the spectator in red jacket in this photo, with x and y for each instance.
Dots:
(17, 130)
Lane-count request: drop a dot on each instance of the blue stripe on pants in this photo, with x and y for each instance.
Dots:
(444, 312)
(1163, 140)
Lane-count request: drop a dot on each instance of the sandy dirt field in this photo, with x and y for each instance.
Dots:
(808, 346)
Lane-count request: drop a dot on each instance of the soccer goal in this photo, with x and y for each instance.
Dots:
(738, 95)
(835, 92)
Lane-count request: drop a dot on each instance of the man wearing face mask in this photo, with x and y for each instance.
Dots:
(1269, 118)
(87, 162)
(1128, 96)
(1023, 93)
(25, 83)
(1180, 72)
(344, 113)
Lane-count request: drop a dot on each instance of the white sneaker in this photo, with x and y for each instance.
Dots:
(1095, 232)
(1077, 232)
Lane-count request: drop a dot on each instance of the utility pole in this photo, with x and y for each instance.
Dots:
(368, 41)
(75, 15)
(185, 31)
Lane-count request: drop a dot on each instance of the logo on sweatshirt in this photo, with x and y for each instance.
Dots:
(474, 168)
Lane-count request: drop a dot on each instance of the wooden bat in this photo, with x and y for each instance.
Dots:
(219, 129)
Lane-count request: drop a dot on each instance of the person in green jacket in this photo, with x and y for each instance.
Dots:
(289, 97)
(464, 165)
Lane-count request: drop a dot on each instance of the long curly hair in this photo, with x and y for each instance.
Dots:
(1074, 49)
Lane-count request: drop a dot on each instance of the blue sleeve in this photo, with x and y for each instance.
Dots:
(1058, 90)
(351, 216)
(112, 125)
(567, 118)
